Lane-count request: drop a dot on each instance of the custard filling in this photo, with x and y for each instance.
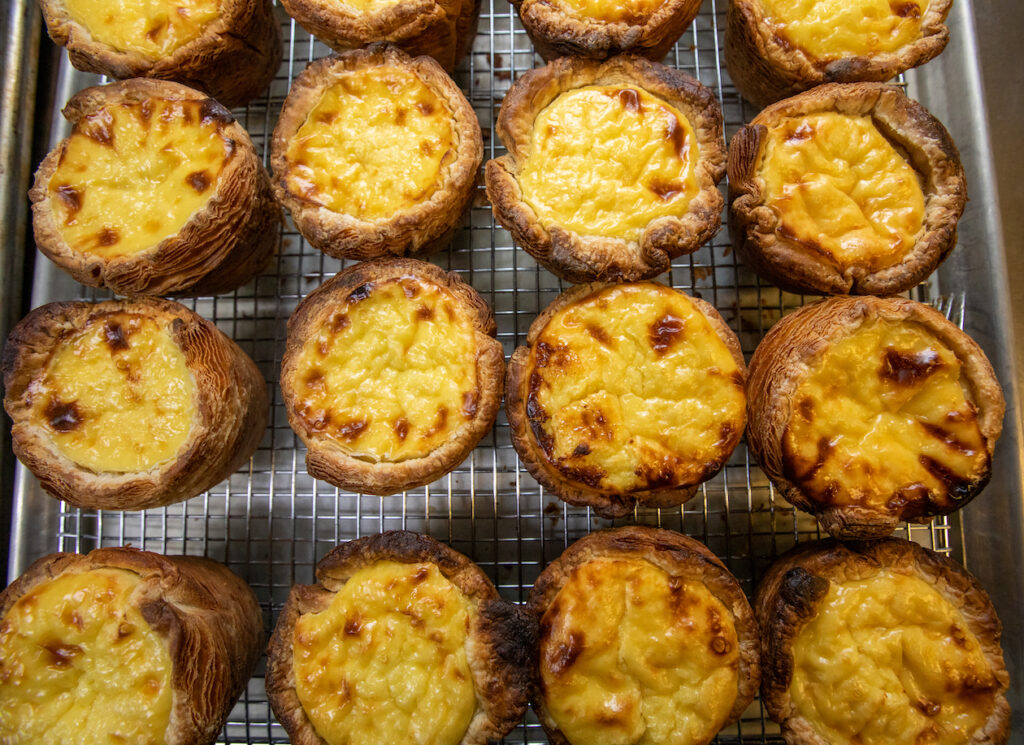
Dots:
(151, 28)
(632, 12)
(80, 665)
(606, 161)
(386, 662)
(117, 395)
(632, 656)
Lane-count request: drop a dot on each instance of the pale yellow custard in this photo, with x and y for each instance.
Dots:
(371, 6)
(151, 28)
(116, 395)
(390, 373)
(633, 12)
(831, 29)
(883, 418)
(632, 656)
(386, 662)
(132, 174)
(631, 388)
(888, 660)
(841, 190)
(377, 142)
(606, 161)
(79, 665)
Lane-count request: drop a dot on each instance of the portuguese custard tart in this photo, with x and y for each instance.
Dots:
(878, 642)
(401, 640)
(391, 375)
(777, 48)
(847, 188)
(124, 646)
(230, 49)
(626, 395)
(157, 190)
(645, 638)
(375, 154)
(868, 411)
(127, 405)
(612, 168)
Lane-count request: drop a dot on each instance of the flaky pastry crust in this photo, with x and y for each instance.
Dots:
(230, 410)
(500, 646)
(206, 615)
(587, 258)
(798, 267)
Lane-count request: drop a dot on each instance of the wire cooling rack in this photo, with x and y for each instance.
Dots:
(271, 522)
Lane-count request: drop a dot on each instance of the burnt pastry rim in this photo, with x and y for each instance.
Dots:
(787, 353)
(678, 556)
(604, 503)
(327, 461)
(207, 617)
(588, 258)
(223, 245)
(500, 646)
(920, 139)
(418, 230)
(792, 589)
(231, 407)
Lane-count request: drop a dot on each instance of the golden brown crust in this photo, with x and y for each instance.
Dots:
(231, 408)
(207, 616)
(680, 557)
(500, 646)
(764, 68)
(605, 503)
(791, 592)
(579, 258)
(420, 230)
(327, 461)
(920, 137)
(222, 246)
(786, 354)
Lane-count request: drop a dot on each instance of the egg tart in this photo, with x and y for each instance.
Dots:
(626, 395)
(847, 188)
(129, 404)
(867, 411)
(229, 49)
(124, 646)
(777, 48)
(612, 168)
(645, 638)
(876, 642)
(157, 190)
(391, 375)
(401, 640)
(375, 154)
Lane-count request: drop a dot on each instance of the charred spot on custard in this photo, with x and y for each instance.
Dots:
(470, 401)
(353, 625)
(630, 100)
(425, 107)
(947, 438)
(440, 423)
(665, 332)
(909, 368)
(666, 190)
(589, 475)
(351, 430)
(676, 134)
(107, 237)
(564, 656)
(98, 127)
(905, 9)
(213, 112)
(401, 428)
(805, 408)
(60, 655)
(662, 474)
(114, 336)
(957, 487)
(71, 198)
(62, 416)
(315, 380)
(424, 313)
(360, 293)
(198, 180)
(599, 334)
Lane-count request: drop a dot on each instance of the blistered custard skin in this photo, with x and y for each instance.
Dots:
(887, 659)
(116, 396)
(630, 655)
(378, 142)
(79, 665)
(152, 28)
(883, 418)
(840, 189)
(132, 174)
(390, 374)
(386, 662)
(633, 12)
(606, 161)
(631, 389)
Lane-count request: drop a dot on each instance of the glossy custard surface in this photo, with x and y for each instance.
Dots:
(887, 659)
(631, 389)
(633, 12)
(377, 142)
(606, 161)
(116, 395)
(372, 6)
(131, 175)
(152, 28)
(841, 190)
(630, 655)
(390, 373)
(386, 662)
(79, 665)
